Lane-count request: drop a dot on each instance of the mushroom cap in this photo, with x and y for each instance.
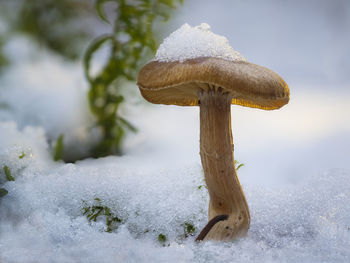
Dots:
(179, 83)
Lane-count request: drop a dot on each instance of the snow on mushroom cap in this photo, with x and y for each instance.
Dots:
(192, 42)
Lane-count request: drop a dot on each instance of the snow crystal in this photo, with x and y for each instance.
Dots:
(191, 42)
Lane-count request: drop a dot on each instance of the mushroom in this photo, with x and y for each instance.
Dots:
(214, 84)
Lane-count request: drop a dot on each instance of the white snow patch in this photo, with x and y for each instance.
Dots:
(191, 42)
(23, 150)
(40, 89)
(42, 221)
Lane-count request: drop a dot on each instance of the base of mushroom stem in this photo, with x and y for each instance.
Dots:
(224, 228)
(210, 225)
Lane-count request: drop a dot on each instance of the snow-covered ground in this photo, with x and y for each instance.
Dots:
(299, 203)
(42, 221)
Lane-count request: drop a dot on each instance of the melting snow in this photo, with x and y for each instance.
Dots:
(191, 42)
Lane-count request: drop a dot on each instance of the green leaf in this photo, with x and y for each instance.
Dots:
(22, 155)
(92, 48)
(116, 99)
(58, 150)
(239, 166)
(3, 192)
(189, 228)
(117, 219)
(127, 124)
(7, 172)
(99, 7)
(161, 238)
(86, 210)
(94, 212)
(94, 216)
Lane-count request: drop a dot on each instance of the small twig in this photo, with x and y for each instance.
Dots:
(210, 225)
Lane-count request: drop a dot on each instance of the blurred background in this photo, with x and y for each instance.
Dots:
(70, 67)
(307, 43)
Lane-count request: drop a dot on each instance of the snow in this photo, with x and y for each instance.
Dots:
(48, 81)
(191, 42)
(42, 221)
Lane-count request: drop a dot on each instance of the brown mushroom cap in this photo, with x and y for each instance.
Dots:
(178, 83)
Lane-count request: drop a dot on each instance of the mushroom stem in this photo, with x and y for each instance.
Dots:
(216, 151)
